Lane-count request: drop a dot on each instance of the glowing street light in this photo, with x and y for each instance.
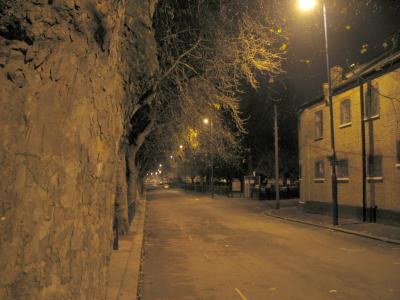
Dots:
(208, 121)
(160, 165)
(307, 4)
(180, 146)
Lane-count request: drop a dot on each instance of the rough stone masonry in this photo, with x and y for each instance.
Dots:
(67, 79)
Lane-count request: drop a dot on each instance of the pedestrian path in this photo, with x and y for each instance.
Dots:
(124, 270)
(376, 231)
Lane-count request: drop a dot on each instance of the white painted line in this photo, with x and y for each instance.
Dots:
(240, 294)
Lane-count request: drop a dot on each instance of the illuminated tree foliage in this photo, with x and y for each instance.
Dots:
(207, 49)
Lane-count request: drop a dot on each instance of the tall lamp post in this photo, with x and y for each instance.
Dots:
(308, 5)
(208, 121)
(184, 167)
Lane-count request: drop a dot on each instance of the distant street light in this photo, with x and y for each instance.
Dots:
(180, 146)
(308, 5)
(208, 121)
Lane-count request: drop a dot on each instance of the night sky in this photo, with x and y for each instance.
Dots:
(357, 31)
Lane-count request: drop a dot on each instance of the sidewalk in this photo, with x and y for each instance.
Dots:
(294, 213)
(290, 210)
(123, 276)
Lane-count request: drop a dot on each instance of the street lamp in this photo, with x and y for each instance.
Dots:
(208, 121)
(308, 5)
(184, 167)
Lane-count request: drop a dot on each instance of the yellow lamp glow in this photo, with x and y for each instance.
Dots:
(205, 121)
(307, 4)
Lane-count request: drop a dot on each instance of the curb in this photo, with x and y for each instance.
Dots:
(125, 270)
(130, 281)
(338, 229)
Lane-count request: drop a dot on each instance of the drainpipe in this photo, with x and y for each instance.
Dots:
(364, 155)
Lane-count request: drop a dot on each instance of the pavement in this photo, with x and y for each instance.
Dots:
(194, 247)
(294, 213)
(124, 270)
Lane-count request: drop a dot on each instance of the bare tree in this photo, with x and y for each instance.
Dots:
(206, 49)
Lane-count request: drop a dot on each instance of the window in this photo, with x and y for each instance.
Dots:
(318, 124)
(375, 166)
(372, 100)
(343, 168)
(345, 112)
(319, 169)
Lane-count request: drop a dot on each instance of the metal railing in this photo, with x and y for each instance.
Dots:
(286, 192)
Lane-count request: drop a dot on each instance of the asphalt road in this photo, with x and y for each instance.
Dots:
(201, 248)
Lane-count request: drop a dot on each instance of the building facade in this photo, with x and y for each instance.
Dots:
(366, 114)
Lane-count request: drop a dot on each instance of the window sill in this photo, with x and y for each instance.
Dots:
(318, 138)
(376, 117)
(319, 180)
(345, 125)
(343, 179)
(375, 179)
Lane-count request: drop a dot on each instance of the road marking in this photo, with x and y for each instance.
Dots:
(352, 250)
(240, 294)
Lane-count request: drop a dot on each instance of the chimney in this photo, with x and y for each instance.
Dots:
(336, 78)
(336, 75)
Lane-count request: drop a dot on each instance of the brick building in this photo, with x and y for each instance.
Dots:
(368, 97)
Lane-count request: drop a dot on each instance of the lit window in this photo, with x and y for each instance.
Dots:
(318, 124)
(375, 166)
(372, 100)
(343, 168)
(345, 112)
(319, 169)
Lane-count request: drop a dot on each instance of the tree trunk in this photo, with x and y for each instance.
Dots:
(122, 194)
(133, 178)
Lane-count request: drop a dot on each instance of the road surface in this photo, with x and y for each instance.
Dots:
(201, 248)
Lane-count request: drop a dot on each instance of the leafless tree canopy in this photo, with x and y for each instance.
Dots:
(206, 50)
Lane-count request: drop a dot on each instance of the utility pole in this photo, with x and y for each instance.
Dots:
(364, 154)
(276, 157)
(212, 160)
(335, 209)
(209, 121)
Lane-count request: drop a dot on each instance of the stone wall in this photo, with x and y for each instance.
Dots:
(64, 107)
